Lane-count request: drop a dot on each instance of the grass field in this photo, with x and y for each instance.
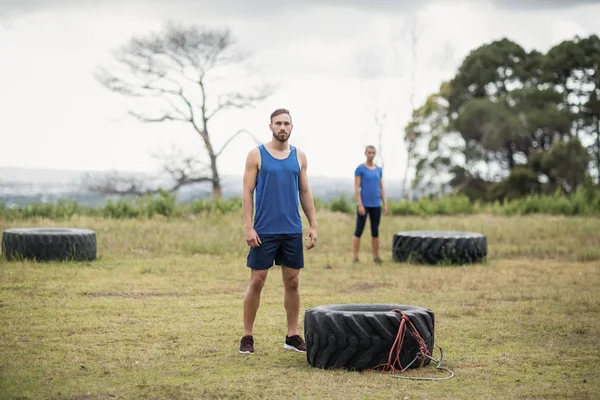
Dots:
(159, 314)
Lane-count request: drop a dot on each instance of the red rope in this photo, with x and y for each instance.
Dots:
(397, 346)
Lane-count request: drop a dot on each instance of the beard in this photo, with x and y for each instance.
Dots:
(281, 136)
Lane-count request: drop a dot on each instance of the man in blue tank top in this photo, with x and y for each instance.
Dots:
(275, 175)
(370, 197)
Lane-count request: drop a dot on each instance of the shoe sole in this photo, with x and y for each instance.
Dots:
(288, 347)
(246, 352)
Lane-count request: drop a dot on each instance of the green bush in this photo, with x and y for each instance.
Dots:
(585, 201)
(454, 204)
(341, 204)
(448, 205)
(402, 207)
(228, 206)
(63, 209)
(199, 207)
(164, 203)
(582, 202)
(120, 209)
(8, 214)
(206, 207)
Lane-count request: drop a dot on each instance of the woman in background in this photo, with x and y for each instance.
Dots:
(370, 199)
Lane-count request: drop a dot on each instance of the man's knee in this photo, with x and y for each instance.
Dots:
(291, 281)
(257, 281)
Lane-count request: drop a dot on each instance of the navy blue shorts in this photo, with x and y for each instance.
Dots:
(281, 249)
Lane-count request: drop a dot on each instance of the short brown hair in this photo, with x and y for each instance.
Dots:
(280, 111)
(370, 147)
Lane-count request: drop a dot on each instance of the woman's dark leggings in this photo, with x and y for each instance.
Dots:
(374, 214)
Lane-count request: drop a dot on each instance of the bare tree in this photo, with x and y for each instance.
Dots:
(176, 67)
(405, 46)
(371, 69)
(114, 183)
(405, 51)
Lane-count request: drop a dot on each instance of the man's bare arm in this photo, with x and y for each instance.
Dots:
(250, 174)
(306, 197)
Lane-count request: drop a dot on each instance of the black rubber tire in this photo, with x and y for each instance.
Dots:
(47, 244)
(360, 336)
(439, 247)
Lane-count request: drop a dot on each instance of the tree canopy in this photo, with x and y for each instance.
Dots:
(512, 122)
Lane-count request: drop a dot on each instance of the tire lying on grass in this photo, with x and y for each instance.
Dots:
(45, 244)
(361, 336)
(439, 247)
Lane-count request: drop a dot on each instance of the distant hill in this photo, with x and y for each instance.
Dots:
(20, 186)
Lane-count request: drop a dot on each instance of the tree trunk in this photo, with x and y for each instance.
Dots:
(217, 194)
(216, 181)
(404, 181)
(598, 148)
(511, 157)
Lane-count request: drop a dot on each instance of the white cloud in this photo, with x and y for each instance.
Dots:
(57, 116)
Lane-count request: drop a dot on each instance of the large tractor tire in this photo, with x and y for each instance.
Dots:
(439, 247)
(361, 336)
(48, 244)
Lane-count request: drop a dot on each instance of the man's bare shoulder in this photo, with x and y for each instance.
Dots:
(301, 153)
(253, 155)
(301, 158)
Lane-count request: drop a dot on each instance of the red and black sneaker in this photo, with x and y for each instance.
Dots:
(247, 345)
(295, 343)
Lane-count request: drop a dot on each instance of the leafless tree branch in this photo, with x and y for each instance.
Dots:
(185, 169)
(233, 137)
(240, 101)
(115, 184)
(162, 118)
(174, 66)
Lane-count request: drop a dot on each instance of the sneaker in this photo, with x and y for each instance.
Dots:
(295, 343)
(378, 260)
(355, 261)
(247, 345)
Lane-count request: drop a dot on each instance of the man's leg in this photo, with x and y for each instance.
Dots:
(291, 297)
(291, 258)
(260, 259)
(258, 278)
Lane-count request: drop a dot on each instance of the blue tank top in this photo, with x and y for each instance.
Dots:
(276, 196)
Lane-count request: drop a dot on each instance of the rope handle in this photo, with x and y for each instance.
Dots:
(423, 352)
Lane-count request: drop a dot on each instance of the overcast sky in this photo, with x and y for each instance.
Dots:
(54, 114)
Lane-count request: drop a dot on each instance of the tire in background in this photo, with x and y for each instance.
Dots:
(439, 247)
(361, 336)
(48, 244)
